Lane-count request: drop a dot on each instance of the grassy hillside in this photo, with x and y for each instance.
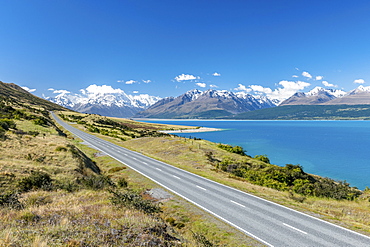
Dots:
(55, 191)
(17, 96)
(308, 112)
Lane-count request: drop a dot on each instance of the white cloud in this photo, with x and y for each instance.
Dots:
(96, 90)
(359, 81)
(29, 89)
(147, 81)
(120, 81)
(319, 78)
(130, 82)
(306, 74)
(62, 91)
(327, 84)
(216, 74)
(135, 92)
(184, 77)
(213, 86)
(288, 89)
(294, 76)
(51, 89)
(260, 89)
(199, 84)
(241, 87)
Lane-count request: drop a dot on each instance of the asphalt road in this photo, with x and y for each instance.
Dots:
(268, 222)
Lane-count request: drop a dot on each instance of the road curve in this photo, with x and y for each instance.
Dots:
(268, 222)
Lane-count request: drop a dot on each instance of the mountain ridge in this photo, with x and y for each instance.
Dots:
(197, 104)
(103, 100)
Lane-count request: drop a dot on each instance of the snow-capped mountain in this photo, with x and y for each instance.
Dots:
(318, 95)
(319, 90)
(360, 89)
(207, 104)
(103, 100)
(358, 96)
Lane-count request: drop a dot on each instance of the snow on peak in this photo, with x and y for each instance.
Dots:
(360, 89)
(102, 95)
(193, 94)
(318, 90)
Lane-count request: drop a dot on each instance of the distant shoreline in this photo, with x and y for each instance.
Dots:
(197, 130)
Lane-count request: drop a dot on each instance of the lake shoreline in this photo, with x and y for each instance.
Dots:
(196, 130)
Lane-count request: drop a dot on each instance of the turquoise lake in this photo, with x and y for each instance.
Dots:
(335, 149)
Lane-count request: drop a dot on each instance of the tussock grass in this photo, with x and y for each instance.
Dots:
(190, 155)
(81, 216)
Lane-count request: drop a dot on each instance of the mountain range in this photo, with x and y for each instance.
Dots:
(322, 96)
(206, 104)
(197, 104)
(108, 102)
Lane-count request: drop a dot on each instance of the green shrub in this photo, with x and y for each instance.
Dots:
(61, 148)
(122, 183)
(68, 185)
(202, 240)
(37, 180)
(40, 121)
(130, 199)
(232, 149)
(263, 158)
(33, 133)
(10, 199)
(7, 124)
(97, 182)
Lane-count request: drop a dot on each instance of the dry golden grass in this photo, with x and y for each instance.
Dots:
(87, 217)
(189, 155)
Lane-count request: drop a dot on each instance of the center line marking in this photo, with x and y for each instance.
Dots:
(158, 169)
(241, 205)
(295, 228)
(201, 188)
(145, 163)
(176, 177)
(134, 158)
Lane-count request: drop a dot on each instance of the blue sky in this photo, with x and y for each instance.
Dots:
(165, 48)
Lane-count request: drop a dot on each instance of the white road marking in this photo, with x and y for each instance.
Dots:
(295, 228)
(176, 177)
(158, 169)
(145, 163)
(126, 154)
(201, 188)
(241, 205)
(134, 158)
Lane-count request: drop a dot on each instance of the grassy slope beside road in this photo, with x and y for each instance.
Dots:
(57, 192)
(193, 155)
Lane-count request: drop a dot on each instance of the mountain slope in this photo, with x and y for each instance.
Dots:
(207, 104)
(16, 94)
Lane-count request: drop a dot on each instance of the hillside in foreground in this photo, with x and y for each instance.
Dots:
(55, 191)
